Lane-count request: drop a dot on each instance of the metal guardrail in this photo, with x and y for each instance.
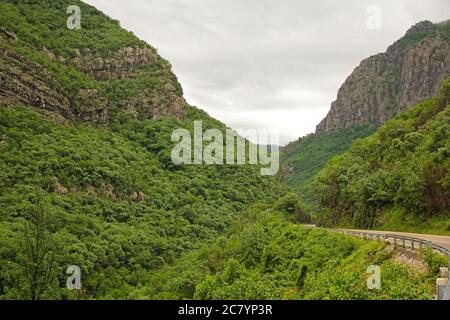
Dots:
(398, 239)
(442, 284)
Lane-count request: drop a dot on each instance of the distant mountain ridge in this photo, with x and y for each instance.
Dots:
(387, 84)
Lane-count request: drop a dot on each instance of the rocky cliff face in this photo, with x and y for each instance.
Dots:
(83, 84)
(131, 67)
(387, 84)
(24, 82)
(28, 83)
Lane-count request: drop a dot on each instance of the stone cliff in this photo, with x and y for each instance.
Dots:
(387, 84)
(61, 78)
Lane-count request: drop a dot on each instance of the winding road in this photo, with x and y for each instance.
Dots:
(443, 241)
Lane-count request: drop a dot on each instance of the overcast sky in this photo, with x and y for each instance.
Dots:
(268, 64)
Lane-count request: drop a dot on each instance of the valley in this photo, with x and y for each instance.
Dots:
(92, 118)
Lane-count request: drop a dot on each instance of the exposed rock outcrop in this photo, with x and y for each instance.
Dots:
(24, 82)
(134, 79)
(165, 98)
(125, 63)
(384, 85)
(11, 35)
(28, 83)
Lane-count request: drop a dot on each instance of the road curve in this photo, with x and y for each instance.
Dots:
(443, 241)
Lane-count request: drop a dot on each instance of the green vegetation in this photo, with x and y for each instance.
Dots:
(308, 156)
(115, 204)
(42, 23)
(264, 256)
(110, 200)
(43, 38)
(397, 177)
(412, 38)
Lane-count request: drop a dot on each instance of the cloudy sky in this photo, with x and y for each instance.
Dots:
(268, 64)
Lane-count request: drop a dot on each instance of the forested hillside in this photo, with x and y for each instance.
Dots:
(87, 180)
(111, 200)
(397, 178)
(85, 74)
(380, 88)
(304, 158)
(265, 256)
(86, 118)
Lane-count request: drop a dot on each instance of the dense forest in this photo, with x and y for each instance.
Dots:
(305, 158)
(113, 201)
(397, 178)
(87, 180)
(264, 255)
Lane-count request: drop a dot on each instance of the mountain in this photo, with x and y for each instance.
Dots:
(387, 84)
(381, 87)
(86, 176)
(87, 183)
(303, 159)
(84, 74)
(398, 178)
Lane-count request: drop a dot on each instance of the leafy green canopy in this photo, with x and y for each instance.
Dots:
(308, 156)
(265, 257)
(116, 204)
(43, 23)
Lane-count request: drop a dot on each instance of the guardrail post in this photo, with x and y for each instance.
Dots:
(442, 284)
(395, 241)
(412, 244)
(404, 243)
(448, 259)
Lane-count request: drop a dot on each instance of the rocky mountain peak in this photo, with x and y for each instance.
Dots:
(422, 26)
(384, 85)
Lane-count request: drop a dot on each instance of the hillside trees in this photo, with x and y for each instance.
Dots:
(404, 166)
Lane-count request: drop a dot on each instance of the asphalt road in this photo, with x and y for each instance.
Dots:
(443, 241)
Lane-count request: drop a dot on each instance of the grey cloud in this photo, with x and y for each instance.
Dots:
(267, 63)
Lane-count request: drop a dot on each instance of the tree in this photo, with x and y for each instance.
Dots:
(37, 246)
